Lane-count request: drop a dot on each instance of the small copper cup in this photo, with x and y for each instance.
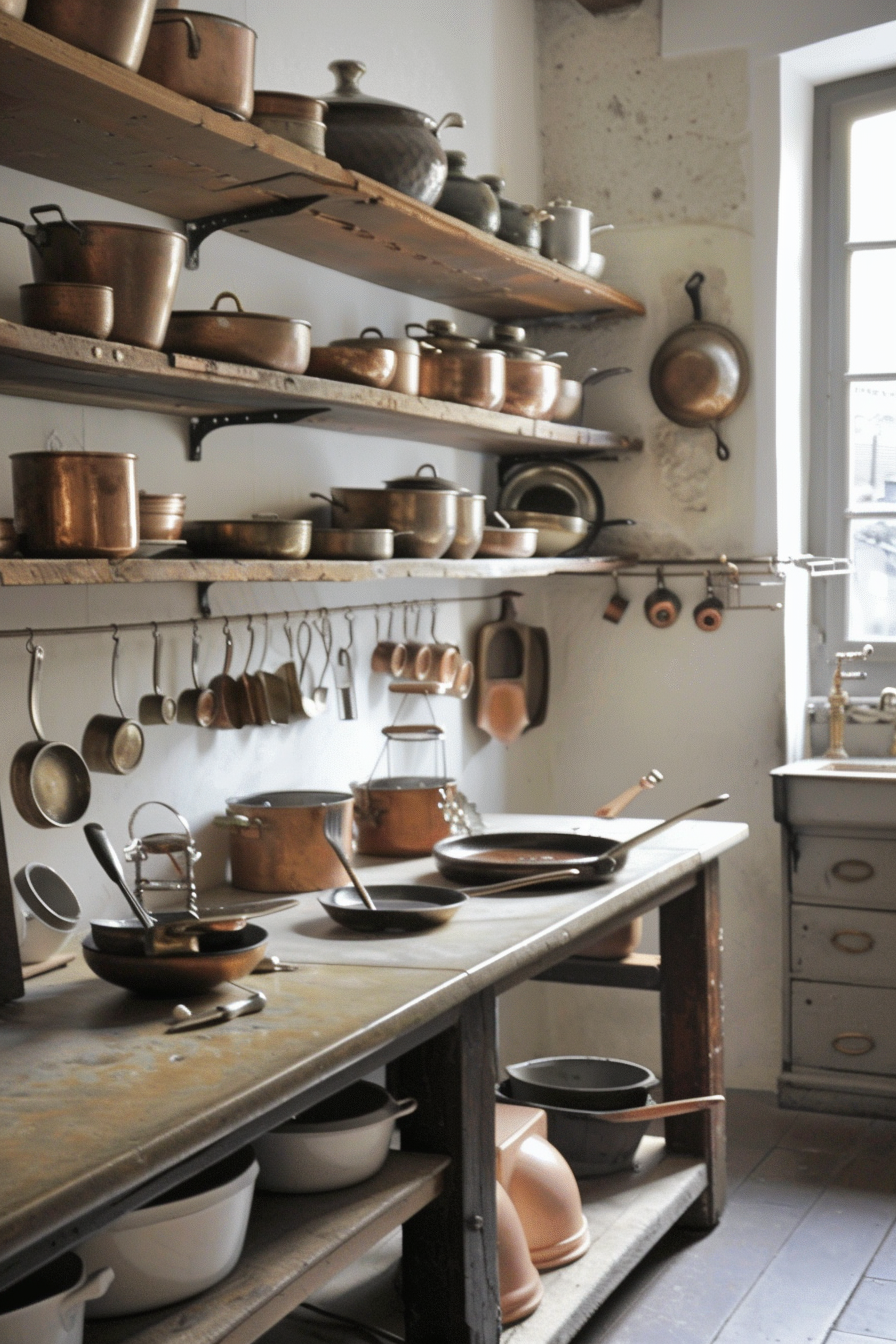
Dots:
(445, 660)
(389, 657)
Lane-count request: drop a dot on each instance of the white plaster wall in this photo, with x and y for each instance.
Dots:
(417, 51)
(661, 148)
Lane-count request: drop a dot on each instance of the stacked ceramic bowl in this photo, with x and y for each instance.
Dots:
(576, 1092)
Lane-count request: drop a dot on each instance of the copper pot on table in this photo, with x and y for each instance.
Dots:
(206, 57)
(76, 504)
(277, 840)
(403, 815)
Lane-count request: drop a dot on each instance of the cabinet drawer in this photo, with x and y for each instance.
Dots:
(843, 1027)
(833, 871)
(855, 947)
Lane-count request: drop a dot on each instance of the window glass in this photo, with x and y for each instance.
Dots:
(872, 444)
(872, 305)
(872, 595)
(872, 186)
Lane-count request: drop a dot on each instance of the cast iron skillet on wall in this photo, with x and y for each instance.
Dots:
(701, 373)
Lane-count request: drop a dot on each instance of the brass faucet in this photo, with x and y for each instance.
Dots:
(838, 700)
(888, 701)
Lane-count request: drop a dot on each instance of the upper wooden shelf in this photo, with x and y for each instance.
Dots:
(76, 119)
(102, 373)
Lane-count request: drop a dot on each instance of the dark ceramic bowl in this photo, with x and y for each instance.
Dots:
(581, 1082)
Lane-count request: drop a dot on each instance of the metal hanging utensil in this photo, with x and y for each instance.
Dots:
(345, 682)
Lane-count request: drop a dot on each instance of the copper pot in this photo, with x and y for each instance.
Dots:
(117, 29)
(424, 521)
(277, 840)
(533, 386)
(161, 516)
(294, 117)
(142, 265)
(470, 526)
(402, 815)
(471, 377)
(206, 57)
(76, 504)
(82, 310)
(281, 343)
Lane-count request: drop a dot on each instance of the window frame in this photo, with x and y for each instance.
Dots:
(837, 105)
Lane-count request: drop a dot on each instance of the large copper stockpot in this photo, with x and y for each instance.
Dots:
(142, 265)
(471, 377)
(277, 840)
(76, 504)
(402, 815)
(206, 57)
(117, 29)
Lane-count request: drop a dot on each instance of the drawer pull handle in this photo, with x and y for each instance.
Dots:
(841, 937)
(853, 1043)
(852, 870)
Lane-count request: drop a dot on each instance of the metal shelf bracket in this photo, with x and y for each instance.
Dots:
(197, 230)
(202, 425)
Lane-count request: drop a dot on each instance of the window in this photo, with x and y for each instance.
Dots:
(853, 457)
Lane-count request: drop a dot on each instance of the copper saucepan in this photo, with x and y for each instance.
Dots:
(701, 373)
(206, 57)
(262, 339)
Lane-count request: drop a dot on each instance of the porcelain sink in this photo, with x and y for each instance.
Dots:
(858, 792)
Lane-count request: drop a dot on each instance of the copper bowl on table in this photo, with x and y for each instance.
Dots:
(76, 504)
(182, 975)
(294, 117)
(261, 339)
(70, 306)
(206, 57)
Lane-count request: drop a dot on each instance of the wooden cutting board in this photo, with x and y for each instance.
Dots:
(512, 666)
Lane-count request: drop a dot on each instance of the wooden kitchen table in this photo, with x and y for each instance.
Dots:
(102, 1111)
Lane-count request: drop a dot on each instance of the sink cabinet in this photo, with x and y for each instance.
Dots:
(838, 824)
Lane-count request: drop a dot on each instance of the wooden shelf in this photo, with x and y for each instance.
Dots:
(295, 1244)
(25, 573)
(627, 1214)
(101, 373)
(639, 970)
(73, 118)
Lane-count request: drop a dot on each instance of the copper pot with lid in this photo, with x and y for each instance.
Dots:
(384, 140)
(262, 339)
(406, 377)
(277, 840)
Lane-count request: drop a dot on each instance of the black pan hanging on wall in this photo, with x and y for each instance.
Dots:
(701, 373)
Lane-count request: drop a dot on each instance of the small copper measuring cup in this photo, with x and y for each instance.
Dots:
(388, 656)
(419, 655)
(445, 659)
(157, 708)
(113, 744)
(196, 705)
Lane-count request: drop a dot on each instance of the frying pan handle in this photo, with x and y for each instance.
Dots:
(664, 1110)
(625, 845)
(105, 855)
(692, 289)
(407, 1106)
(600, 375)
(37, 663)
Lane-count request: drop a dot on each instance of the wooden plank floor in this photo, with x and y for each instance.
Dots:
(805, 1252)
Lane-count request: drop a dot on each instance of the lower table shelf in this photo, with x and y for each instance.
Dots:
(295, 1245)
(627, 1215)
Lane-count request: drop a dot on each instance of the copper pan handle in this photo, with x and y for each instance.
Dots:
(194, 41)
(37, 663)
(664, 1110)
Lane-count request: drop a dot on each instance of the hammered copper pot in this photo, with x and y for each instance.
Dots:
(401, 816)
(206, 57)
(69, 306)
(76, 504)
(533, 386)
(277, 840)
(118, 30)
(471, 377)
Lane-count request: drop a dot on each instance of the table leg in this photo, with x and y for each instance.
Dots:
(691, 1010)
(450, 1272)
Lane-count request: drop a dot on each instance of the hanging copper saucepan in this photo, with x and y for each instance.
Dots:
(701, 373)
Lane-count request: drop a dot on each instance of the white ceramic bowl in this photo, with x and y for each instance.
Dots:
(179, 1245)
(47, 1307)
(51, 911)
(340, 1142)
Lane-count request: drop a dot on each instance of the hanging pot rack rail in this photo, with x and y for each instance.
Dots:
(186, 622)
